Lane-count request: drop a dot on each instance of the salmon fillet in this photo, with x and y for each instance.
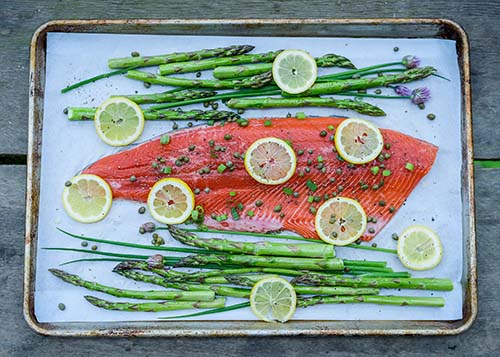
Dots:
(334, 177)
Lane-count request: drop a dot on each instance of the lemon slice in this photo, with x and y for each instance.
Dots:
(270, 161)
(294, 71)
(170, 201)
(358, 141)
(419, 248)
(87, 199)
(340, 221)
(273, 299)
(119, 121)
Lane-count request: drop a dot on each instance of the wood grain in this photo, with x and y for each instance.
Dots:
(20, 18)
(18, 340)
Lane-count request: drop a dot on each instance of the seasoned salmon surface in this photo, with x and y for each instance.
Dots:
(210, 160)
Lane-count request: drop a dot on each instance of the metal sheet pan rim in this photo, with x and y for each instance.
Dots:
(193, 328)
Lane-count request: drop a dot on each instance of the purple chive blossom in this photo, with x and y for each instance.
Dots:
(411, 61)
(155, 261)
(420, 95)
(148, 227)
(402, 91)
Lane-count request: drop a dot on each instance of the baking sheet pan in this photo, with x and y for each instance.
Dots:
(167, 328)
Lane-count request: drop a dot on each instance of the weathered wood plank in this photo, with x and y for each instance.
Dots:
(20, 18)
(18, 340)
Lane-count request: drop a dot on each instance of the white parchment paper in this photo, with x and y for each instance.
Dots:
(68, 147)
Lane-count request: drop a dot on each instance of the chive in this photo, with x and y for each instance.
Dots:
(243, 123)
(409, 166)
(331, 127)
(374, 170)
(191, 147)
(227, 137)
(211, 122)
(221, 168)
(259, 203)
(232, 193)
(371, 230)
(277, 208)
(310, 199)
(167, 170)
(268, 123)
(323, 133)
(320, 159)
(240, 206)
(250, 213)
(165, 139)
(221, 217)
(312, 209)
(311, 185)
(300, 115)
(392, 209)
(288, 191)
(96, 78)
(300, 152)
(386, 173)
(235, 214)
(387, 146)
(381, 203)
(395, 236)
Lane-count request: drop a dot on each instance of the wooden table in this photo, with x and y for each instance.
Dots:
(18, 21)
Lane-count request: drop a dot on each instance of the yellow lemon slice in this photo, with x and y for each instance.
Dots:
(294, 71)
(419, 248)
(87, 198)
(270, 161)
(358, 141)
(340, 221)
(118, 121)
(273, 299)
(170, 201)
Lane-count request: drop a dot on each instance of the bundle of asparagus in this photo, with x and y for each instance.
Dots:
(231, 268)
(249, 75)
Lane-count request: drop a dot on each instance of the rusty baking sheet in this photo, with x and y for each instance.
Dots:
(400, 28)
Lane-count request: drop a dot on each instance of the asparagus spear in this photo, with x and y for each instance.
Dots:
(155, 306)
(372, 299)
(247, 82)
(231, 71)
(85, 113)
(169, 96)
(262, 261)
(250, 280)
(388, 283)
(135, 294)
(258, 248)
(358, 106)
(143, 61)
(336, 86)
(211, 63)
(156, 280)
(203, 276)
